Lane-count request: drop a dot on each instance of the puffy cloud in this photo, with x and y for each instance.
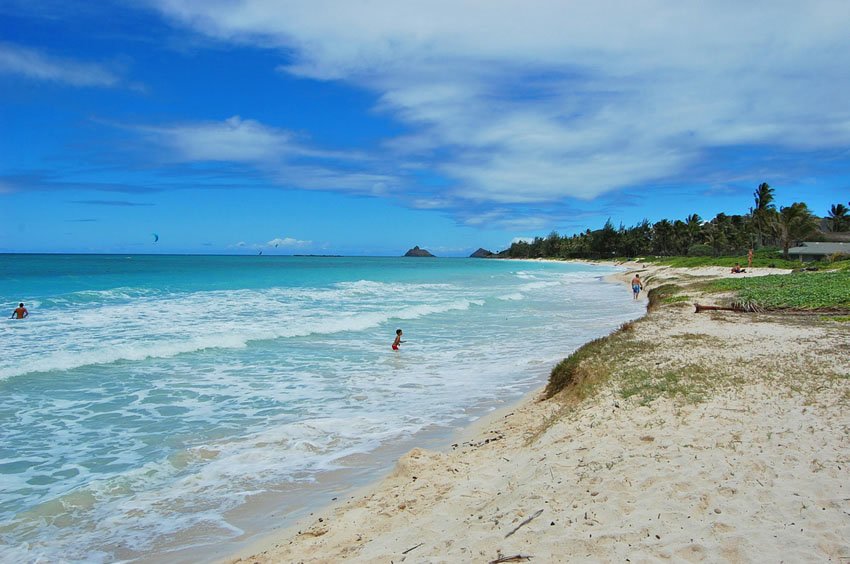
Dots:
(538, 101)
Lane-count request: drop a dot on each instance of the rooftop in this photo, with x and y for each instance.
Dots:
(813, 248)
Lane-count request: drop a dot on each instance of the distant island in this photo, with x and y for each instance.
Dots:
(482, 253)
(417, 252)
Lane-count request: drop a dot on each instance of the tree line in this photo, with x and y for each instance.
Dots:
(764, 226)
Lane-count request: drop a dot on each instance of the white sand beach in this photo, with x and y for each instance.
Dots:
(714, 437)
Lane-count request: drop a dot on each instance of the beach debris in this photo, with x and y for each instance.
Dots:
(526, 522)
(745, 307)
(514, 558)
(413, 548)
(487, 441)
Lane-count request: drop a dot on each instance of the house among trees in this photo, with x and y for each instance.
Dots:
(810, 251)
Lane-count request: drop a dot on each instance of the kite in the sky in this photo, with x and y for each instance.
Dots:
(155, 237)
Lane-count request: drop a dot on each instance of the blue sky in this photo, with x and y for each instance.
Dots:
(367, 127)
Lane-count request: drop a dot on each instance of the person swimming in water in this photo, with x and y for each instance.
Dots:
(20, 312)
(398, 341)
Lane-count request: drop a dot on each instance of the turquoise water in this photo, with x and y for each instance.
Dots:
(148, 398)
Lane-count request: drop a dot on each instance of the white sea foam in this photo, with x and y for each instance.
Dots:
(165, 328)
(153, 415)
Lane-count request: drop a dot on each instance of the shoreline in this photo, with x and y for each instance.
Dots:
(460, 435)
(466, 435)
(614, 477)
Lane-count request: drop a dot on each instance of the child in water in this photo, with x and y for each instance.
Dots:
(398, 341)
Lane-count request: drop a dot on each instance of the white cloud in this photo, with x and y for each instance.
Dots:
(277, 242)
(537, 101)
(430, 203)
(33, 64)
(288, 242)
(234, 139)
(277, 154)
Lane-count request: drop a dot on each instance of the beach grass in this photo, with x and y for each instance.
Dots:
(690, 383)
(664, 294)
(626, 360)
(590, 365)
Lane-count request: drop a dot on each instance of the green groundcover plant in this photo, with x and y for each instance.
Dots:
(797, 291)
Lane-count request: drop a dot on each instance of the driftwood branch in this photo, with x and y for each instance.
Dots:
(514, 558)
(526, 522)
(700, 308)
(412, 548)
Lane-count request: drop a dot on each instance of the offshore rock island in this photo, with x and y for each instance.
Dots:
(417, 252)
(482, 253)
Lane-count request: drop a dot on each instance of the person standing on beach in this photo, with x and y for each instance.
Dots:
(637, 286)
(398, 341)
(20, 312)
(750, 258)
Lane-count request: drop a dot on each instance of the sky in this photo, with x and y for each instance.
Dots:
(365, 127)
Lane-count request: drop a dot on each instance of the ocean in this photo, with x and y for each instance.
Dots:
(162, 408)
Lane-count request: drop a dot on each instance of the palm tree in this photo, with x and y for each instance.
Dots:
(694, 223)
(764, 212)
(662, 237)
(794, 223)
(839, 217)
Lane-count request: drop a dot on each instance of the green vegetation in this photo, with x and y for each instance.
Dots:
(728, 236)
(763, 258)
(839, 217)
(664, 294)
(587, 366)
(690, 383)
(796, 291)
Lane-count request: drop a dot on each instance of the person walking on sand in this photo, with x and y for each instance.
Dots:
(750, 258)
(398, 341)
(20, 312)
(637, 286)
